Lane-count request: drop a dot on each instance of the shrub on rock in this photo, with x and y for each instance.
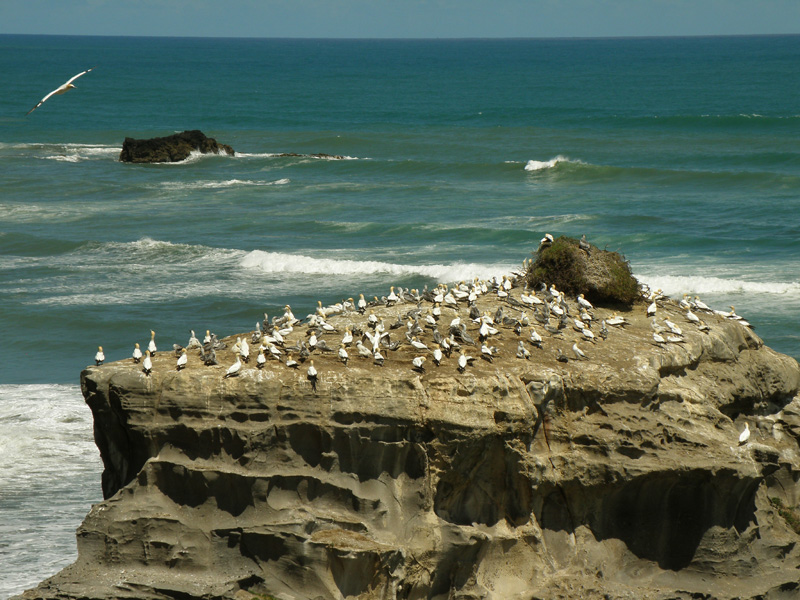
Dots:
(604, 277)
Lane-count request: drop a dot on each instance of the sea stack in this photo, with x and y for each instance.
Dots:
(619, 475)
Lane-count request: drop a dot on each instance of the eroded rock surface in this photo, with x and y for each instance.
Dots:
(619, 476)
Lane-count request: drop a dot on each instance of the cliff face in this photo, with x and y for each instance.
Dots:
(620, 475)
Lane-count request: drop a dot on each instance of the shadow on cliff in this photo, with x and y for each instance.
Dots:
(661, 517)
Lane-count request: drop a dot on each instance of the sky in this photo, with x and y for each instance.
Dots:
(400, 18)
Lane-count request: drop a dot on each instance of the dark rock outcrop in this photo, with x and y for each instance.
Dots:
(172, 148)
(619, 476)
(575, 266)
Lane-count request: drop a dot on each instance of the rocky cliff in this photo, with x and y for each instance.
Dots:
(619, 475)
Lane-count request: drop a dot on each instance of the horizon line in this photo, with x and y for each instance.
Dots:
(421, 38)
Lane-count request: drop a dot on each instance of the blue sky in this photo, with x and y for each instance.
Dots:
(400, 18)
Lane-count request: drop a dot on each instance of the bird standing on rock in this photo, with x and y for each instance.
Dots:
(99, 357)
(151, 347)
(182, 360)
(147, 364)
(311, 375)
(137, 354)
(419, 364)
(234, 369)
(745, 435)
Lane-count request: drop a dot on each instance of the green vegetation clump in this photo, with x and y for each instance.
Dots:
(789, 515)
(604, 277)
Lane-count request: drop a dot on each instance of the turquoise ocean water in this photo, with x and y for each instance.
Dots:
(683, 153)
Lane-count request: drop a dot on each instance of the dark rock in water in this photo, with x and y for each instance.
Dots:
(172, 148)
(577, 267)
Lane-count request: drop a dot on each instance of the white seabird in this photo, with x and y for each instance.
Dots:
(147, 364)
(745, 435)
(437, 355)
(583, 302)
(151, 347)
(311, 375)
(343, 355)
(137, 353)
(99, 357)
(234, 369)
(59, 90)
(419, 363)
(578, 352)
(182, 360)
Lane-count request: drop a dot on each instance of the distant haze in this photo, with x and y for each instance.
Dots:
(400, 18)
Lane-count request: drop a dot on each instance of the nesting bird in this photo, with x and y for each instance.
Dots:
(183, 359)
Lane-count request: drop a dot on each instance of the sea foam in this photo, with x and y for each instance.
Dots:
(278, 262)
(538, 165)
(676, 286)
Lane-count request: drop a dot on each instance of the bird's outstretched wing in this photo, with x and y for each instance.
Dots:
(59, 90)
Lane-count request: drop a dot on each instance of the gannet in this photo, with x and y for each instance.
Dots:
(147, 364)
(587, 334)
(651, 310)
(182, 360)
(419, 364)
(418, 345)
(578, 352)
(244, 350)
(523, 352)
(486, 353)
(207, 338)
(59, 90)
(363, 351)
(584, 303)
(658, 338)
(583, 244)
(536, 339)
(137, 353)
(392, 297)
(99, 357)
(291, 362)
(462, 362)
(347, 339)
(560, 357)
(234, 369)
(378, 358)
(745, 435)
(343, 355)
(362, 304)
(261, 359)
(193, 343)
(152, 345)
(672, 327)
(603, 329)
(692, 317)
(437, 355)
(311, 375)
(615, 320)
(701, 305)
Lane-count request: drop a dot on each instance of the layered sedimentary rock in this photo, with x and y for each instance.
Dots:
(172, 148)
(618, 476)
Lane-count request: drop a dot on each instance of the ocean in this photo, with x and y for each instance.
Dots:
(457, 156)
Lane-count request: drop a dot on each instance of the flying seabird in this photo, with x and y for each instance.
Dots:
(59, 90)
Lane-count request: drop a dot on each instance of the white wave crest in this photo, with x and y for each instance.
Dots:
(676, 286)
(284, 155)
(538, 165)
(278, 262)
(197, 185)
